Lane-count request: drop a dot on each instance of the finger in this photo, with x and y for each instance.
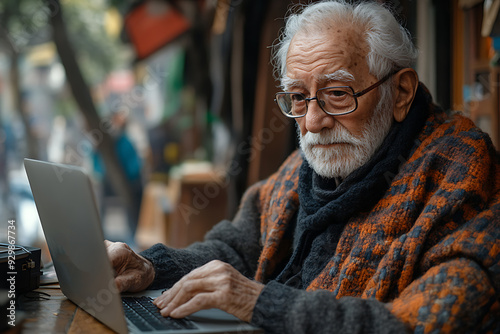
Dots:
(170, 299)
(188, 290)
(110, 249)
(185, 289)
(199, 302)
(167, 296)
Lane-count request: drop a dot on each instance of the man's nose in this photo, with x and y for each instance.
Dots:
(316, 118)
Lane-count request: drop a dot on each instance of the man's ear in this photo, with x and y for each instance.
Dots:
(405, 85)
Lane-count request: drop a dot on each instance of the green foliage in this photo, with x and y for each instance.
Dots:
(27, 23)
(98, 52)
(22, 20)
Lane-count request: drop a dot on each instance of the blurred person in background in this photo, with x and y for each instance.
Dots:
(132, 165)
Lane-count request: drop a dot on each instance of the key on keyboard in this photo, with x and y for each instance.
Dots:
(146, 316)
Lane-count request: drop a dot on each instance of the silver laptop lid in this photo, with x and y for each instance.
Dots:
(70, 220)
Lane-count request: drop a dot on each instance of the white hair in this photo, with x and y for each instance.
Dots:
(390, 45)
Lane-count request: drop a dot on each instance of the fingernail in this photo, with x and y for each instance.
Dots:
(165, 312)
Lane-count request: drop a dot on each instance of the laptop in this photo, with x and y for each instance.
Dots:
(70, 220)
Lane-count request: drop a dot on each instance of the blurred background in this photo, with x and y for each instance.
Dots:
(168, 104)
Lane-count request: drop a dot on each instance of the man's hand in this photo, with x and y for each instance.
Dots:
(214, 285)
(132, 272)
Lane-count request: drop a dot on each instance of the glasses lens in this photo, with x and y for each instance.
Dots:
(337, 100)
(292, 104)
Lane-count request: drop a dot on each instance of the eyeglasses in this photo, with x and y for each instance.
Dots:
(335, 101)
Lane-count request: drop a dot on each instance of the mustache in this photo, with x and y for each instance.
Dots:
(329, 136)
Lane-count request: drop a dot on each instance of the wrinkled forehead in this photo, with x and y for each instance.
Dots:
(317, 53)
(339, 38)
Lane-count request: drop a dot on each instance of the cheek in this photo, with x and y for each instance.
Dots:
(301, 124)
(354, 125)
(356, 122)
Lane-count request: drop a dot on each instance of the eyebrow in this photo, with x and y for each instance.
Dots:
(289, 82)
(339, 75)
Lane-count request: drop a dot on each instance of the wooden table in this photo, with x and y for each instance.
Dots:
(47, 310)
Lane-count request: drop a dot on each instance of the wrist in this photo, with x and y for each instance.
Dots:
(256, 291)
(149, 271)
(270, 308)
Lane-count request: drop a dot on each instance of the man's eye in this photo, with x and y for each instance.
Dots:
(297, 98)
(337, 93)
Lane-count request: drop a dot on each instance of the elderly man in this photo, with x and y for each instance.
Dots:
(386, 219)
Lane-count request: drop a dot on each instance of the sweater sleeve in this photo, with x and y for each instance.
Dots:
(283, 309)
(236, 242)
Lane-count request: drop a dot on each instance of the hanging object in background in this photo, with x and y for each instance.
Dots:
(220, 17)
(153, 24)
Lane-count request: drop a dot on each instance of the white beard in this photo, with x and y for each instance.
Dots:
(342, 160)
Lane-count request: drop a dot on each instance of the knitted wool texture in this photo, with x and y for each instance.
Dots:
(427, 248)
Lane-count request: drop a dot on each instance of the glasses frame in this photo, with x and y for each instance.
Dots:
(322, 103)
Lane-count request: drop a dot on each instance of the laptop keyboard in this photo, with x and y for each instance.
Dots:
(146, 316)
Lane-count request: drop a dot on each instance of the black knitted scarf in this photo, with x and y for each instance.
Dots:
(325, 208)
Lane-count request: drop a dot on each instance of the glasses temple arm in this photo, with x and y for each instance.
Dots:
(375, 85)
